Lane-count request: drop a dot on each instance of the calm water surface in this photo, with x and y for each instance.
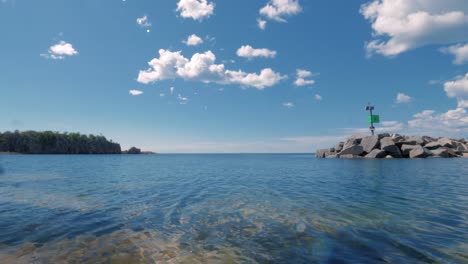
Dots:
(232, 209)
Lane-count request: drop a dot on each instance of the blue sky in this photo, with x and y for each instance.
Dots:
(256, 76)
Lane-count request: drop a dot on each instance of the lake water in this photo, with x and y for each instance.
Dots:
(288, 208)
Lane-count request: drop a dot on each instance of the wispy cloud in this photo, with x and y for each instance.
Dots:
(135, 92)
(288, 104)
(302, 77)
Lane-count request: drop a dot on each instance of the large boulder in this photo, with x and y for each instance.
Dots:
(405, 149)
(369, 143)
(353, 150)
(459, 147)
(376, 154)
(445, 142)
(387, 144)
(339, 146)
(386, 141)
(440, 153)
(323, 153)
(353, 140)
(417, 139)
(419, 152)
(433, 145)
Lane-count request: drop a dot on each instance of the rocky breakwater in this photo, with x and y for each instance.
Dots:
(396, 146)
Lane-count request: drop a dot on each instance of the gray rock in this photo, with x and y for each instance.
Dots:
(459, 147)
(433, 145)
(369, 143)
(386, 141)
(387, 144)
(419, 152)
(383, 135)
(428, 139)
(388, 157)
(339, 146)
(405, 149)
(445, 142)
(452, 154)
(331, 156)
(397, 138)
(350, 142)
(353, 150)
(321, 153)
(376, 154)
(419, 140)
(440, 152)
(394, 151)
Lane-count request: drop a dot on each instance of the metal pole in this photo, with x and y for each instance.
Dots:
(372, 121)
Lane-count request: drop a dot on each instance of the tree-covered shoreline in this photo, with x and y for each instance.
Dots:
(50, 142)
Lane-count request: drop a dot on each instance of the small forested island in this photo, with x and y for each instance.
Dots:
(50, 142)
(396, 146)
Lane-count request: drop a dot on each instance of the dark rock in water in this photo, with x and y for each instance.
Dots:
(394, 151)
(405, 149)
(388, 145)
(369, 143)
(376, 154)
(134, 150)
(451, 153)
(353, 150)
(323, 153)
(419, 152)
(441, 153)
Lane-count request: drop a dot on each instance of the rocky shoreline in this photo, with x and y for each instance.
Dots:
(396, 146)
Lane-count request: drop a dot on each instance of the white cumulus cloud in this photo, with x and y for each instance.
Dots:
(458, 88)
(193, 40)
(460, 52)
(279, 9)
(135, 92)
(60, 50)
(402, 25)
(202, 67)
(195, 9)
(402, 98)
(301, 78)
(249, 52)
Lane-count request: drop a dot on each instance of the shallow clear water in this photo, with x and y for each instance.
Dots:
(232, 209)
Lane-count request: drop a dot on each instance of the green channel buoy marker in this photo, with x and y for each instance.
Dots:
(371, 119)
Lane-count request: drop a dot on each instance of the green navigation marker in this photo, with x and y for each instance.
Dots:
(373, 119)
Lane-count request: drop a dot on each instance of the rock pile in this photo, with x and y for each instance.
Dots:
(396, 146)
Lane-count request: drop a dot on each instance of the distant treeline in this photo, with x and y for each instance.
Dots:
(49, 142)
